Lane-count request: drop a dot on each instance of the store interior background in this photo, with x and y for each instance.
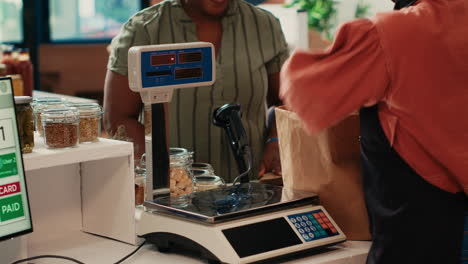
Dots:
(78, 68)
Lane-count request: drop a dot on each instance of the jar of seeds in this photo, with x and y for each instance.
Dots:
(24, 117)
(60, 127)
(41, 104)
(90, 121)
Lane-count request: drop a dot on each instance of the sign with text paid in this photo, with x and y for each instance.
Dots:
(11, 208)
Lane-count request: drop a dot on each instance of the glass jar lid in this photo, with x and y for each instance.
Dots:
(203, 183)
(41, 106)
(87, 109)
(213, 179)
(201, 172)
(47, 99)
(60, 115)
(23, 99)
(202, 166)
(15, 76)
(177, 152)
(180, 157)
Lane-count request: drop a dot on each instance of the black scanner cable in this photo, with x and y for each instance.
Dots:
(48, 256)
(131, 254)
(75, 260)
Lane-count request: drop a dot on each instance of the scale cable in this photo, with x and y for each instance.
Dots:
(48, 256)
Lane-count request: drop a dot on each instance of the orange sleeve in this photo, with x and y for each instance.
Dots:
(324, 88)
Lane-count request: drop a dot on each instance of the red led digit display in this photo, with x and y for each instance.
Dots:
(165, 59)
(188, 73)
(190, 57)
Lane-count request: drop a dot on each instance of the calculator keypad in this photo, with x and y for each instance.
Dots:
(313, 225)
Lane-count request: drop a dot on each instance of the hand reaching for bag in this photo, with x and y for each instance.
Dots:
(271, 162)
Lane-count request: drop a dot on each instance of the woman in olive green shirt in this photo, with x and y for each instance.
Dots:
(250, 49)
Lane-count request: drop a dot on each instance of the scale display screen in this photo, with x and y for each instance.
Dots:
(15, 218)
(176, 67)
(263, 237)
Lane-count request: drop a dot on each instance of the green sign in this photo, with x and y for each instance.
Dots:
(3, 87)
(11, 208)
(8, 166)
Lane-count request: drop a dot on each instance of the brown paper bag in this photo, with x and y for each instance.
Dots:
(327, 164)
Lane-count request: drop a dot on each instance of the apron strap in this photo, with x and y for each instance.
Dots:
(411, 220)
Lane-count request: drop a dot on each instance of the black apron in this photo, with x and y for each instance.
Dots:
(411, 221)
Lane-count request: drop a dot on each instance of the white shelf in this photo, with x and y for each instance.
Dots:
(42, 157)
(95, 186)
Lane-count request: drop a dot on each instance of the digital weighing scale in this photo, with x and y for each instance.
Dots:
(242, 223)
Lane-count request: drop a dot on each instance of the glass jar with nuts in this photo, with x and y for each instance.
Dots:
(180, 177)
(90, 121)
(60, 127)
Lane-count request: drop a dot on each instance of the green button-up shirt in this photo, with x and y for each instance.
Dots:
(252, 47)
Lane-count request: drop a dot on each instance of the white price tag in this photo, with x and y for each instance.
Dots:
(6, 134)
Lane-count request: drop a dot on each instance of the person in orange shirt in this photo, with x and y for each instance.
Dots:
(406, 72)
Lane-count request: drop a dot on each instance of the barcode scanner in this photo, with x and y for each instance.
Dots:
(228, 117)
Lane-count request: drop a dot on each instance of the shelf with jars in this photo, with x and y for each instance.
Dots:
(88, 188)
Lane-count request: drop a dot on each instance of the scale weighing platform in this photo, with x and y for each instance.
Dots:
(244, 223)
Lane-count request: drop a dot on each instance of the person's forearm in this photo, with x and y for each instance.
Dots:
(128, 129)
(121, 110)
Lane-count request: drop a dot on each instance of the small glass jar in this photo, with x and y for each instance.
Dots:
(203, 183)
(180, 177)
(90, 121)
(202, 166)
(140, 181)
(44, 104)
(24, 118)
(147, 119)
(60, 127)
(18, 84)
(3, 70)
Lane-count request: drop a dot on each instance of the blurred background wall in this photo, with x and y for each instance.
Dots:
(79, 69)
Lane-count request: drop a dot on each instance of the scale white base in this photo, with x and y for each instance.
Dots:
(214, 245)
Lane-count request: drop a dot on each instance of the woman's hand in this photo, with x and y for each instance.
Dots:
(271, 160)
